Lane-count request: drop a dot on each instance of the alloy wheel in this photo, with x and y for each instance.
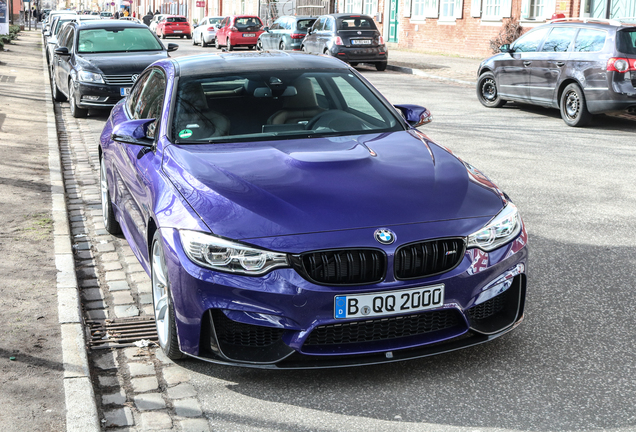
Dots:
(160, 294)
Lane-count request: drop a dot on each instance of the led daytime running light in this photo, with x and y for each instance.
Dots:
(500, 230)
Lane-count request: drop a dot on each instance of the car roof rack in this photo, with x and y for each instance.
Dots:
(616, 22)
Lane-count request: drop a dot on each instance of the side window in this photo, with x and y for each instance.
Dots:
(276, 25)
(323, 102)
(70, 39)
(330, 25)
(289, 23)
(559, 40)
(63, 35)
(150, 101)
(225, 21)
(354, 100)
(530, 41)
(590, 40)
(133, 98)
(318, 26)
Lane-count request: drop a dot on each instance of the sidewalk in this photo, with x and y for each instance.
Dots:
(31, 364)
(462, 70)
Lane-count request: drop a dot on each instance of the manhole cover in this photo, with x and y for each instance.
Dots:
(121, 333)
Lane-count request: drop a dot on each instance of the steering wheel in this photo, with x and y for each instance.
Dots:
(337, 120)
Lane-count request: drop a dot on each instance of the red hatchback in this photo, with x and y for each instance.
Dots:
(238, 30)
(174, 25)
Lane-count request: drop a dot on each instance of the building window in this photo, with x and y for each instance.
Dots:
(367, 7)
(370, 7)
(536, 9)
(492, 8)
(425, 9)
(447, 9)
(418, 8)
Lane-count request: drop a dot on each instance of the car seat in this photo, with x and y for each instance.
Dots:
(194, 114)
(301, 107)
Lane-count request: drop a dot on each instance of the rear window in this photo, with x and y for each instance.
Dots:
(245, 22)
(626, 41)
(304, 25)
(356, 23)
(117, 40)
(176, 19)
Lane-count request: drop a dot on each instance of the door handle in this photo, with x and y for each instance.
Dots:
(560, 64)
(527, 63)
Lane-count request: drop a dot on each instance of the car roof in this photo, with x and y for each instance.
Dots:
(347, 15)
(174, 16)
(106, 24)
(594, 22)
(213, 64)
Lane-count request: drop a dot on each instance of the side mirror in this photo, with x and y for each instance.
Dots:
(415, 115)
(133, 132)
(266, 29)
(506, 49)
(47, 33)
(218, 25)
(62, 51)
(309, 31)
(172, 47)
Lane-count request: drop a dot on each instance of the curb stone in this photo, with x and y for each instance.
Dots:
(81, 406)
(421, 73)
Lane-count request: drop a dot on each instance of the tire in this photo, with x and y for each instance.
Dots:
(162, 302)
(76, 111)
(108, 216)
(281, 46)
(354, 64)
(194, 41)
(303, 49)
(216, 43)
(228, 45)
(55, 92)
(487, 91)
(380, 67)
(325, 51)
(203, 42)
(188, 36)
(259, 45)
(163, 36)
(573, 107)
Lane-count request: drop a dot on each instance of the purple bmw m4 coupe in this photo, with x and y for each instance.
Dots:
(290, 217)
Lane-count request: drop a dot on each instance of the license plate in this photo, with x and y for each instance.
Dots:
(389, 303)
(124, 91)
(178, 31)
(249, 34)
(360, 42)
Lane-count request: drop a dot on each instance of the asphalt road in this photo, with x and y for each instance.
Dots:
(570, 366)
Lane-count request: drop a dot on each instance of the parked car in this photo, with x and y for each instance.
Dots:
(286, 33)
(351, 38)
(96, 62)
(238, 30)
(46, 25)
(290, 217)
(133, 19)
(173, 25)
(204, 32)
(50, 36)
(106, 15)
(155, 20)
(580, 66)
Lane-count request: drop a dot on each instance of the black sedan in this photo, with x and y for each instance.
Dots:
(351, 38)
(96, 63)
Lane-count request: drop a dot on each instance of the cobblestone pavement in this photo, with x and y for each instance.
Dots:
(136, 388)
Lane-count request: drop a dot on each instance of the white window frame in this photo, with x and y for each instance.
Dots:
(418, 10)
(528, 14)
(370, 7)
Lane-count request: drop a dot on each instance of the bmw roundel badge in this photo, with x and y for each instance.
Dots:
(384, 236)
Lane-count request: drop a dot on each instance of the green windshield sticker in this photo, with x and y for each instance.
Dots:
(186, 133)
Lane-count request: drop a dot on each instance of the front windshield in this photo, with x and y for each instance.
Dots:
(117, 40)
(277, 105)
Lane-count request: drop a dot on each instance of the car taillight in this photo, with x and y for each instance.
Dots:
(233, 28)
(381, 40)
(211, 28)
(338, 41)
(297, 35)
(621, 65)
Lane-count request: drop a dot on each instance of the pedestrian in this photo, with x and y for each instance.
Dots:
(116, 14)
(125, 12)
(147, 18)
(157, 12)
(134, 14)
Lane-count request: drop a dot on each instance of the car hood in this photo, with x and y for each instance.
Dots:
(122, 63)
(255, 190)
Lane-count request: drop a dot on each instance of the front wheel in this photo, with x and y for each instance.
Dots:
(259, 45)
(194, 41)
(573, 108)
(380, 66)
(216, 43)
(281, 46)
(487, 91)
(228, 44)
(303, 49)
(76, 111)
(203, 42)
(163, 36)
(162, 302)
(55, 92)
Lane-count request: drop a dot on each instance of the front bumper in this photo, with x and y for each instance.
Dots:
(96, 96)
(268, 321)
(360, 54)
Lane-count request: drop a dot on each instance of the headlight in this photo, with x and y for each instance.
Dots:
(499, 231)
(85, 76)
(219, 254)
